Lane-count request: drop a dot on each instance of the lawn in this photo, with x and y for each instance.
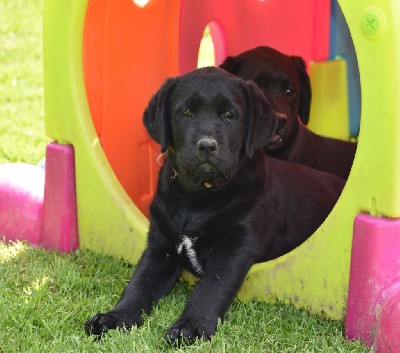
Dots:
(45, 297)
(22, 136)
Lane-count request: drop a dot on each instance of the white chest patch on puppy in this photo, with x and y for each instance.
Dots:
(187, 244)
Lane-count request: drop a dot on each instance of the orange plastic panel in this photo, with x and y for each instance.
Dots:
(129, 51)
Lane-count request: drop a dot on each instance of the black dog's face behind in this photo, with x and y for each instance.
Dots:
(207, 125)
(282, 78)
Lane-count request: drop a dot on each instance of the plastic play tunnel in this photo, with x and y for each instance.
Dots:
(105, 58)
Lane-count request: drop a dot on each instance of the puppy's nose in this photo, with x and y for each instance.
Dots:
(207, 145)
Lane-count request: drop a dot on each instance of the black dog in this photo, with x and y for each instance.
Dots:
(285, 81)
(221, 204)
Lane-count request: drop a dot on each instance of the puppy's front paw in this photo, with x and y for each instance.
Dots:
(185, 331)
(101, 323)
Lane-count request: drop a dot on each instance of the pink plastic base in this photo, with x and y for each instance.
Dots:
(60, 226)
(387, 336)
(40, 206)
(21, 202)
(373, 310)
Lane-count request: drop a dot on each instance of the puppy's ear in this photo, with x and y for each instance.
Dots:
(156, 116)
(231, 64)
(305, 94)
(261, 120)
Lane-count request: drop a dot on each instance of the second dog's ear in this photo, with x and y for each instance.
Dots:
(261, 121)
(230, 64)
(305, 94)
(156, 116)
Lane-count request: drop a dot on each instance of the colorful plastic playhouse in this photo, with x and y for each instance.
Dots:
(103, 61)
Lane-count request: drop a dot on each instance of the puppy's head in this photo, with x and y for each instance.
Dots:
(209, 120)
(282, 78)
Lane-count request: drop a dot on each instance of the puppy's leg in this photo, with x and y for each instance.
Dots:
(210, 299)
(155, 275)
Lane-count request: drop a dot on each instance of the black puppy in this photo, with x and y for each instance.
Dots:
(285, 81)
(221, 204)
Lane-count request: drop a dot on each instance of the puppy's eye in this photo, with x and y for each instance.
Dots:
(227, 115)
(187, 113)
(289, 92)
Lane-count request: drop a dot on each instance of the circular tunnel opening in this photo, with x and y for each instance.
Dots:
(120, 80)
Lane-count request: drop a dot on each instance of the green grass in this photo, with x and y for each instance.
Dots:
(22, 136)
(45, 297)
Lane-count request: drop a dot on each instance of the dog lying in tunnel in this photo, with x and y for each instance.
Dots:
(221, 205)
(285, 81)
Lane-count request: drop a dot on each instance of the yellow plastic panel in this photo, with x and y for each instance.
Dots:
(329, 115)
